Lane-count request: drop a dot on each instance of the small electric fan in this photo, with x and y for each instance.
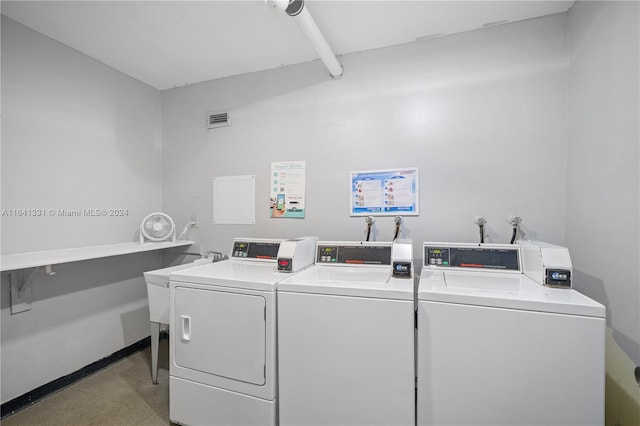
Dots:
(157, 227)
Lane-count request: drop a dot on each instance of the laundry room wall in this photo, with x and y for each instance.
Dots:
(482, 114)
(603, 215)
(76, 134)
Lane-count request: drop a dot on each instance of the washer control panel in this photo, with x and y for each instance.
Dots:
(437, 256)
(469, 256)
(266, 250)
(353, 254)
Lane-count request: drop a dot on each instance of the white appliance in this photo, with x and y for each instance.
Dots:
(158, 295)
(346, 337)
(497, 348)
(223, 342)
(157, 227)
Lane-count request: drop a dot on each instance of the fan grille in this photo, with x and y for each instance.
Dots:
(157, 227)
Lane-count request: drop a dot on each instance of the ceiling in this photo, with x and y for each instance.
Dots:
(172, 43)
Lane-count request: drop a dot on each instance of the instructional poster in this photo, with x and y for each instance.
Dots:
(384, 192)
(287, 189)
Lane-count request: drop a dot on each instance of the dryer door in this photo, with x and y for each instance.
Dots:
(220, 333)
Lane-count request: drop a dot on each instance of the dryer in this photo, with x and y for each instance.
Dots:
(495, 347)
(223, 343)
(346, 337)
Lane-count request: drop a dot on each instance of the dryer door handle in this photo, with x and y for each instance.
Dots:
(186, 327)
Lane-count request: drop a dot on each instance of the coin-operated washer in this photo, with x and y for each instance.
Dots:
(223, 342)
(346, 337)
(496, 347)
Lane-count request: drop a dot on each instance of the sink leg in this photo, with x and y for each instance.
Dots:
(155, 342)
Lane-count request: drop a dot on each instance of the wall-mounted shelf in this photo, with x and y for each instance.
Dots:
(15, 264)
(11, 262)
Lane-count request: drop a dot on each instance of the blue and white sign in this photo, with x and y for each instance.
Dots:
(385, 192)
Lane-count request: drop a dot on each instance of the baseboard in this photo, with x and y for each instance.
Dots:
(23, 401)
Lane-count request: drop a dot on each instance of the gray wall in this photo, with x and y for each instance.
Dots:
(603, 192)
(75, 134)
(507, 120)
(482, 114)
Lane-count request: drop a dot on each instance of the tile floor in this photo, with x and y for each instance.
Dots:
(119, 395)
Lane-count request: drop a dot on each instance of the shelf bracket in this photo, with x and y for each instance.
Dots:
(21, 290)
(49, 270)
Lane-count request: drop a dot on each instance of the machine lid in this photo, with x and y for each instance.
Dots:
(503, 291)
(233, 274)
(349, 281)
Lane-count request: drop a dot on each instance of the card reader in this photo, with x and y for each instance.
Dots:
(547, 264)
(296, 254)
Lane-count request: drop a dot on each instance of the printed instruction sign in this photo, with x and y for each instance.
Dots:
(287, 189)
(385, 192)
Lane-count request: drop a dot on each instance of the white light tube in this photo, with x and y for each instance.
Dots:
(310, 29)
(312, 32)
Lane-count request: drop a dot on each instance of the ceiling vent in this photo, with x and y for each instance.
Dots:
(218, 119)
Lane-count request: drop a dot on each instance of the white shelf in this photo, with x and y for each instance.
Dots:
(11, 262)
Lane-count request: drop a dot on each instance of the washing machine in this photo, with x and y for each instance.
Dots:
(497, 347)
(223, 342)
(346, 337)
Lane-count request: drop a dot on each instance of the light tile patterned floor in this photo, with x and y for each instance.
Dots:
(120, 395)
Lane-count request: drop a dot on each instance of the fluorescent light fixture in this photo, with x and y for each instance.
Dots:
(306, 23)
